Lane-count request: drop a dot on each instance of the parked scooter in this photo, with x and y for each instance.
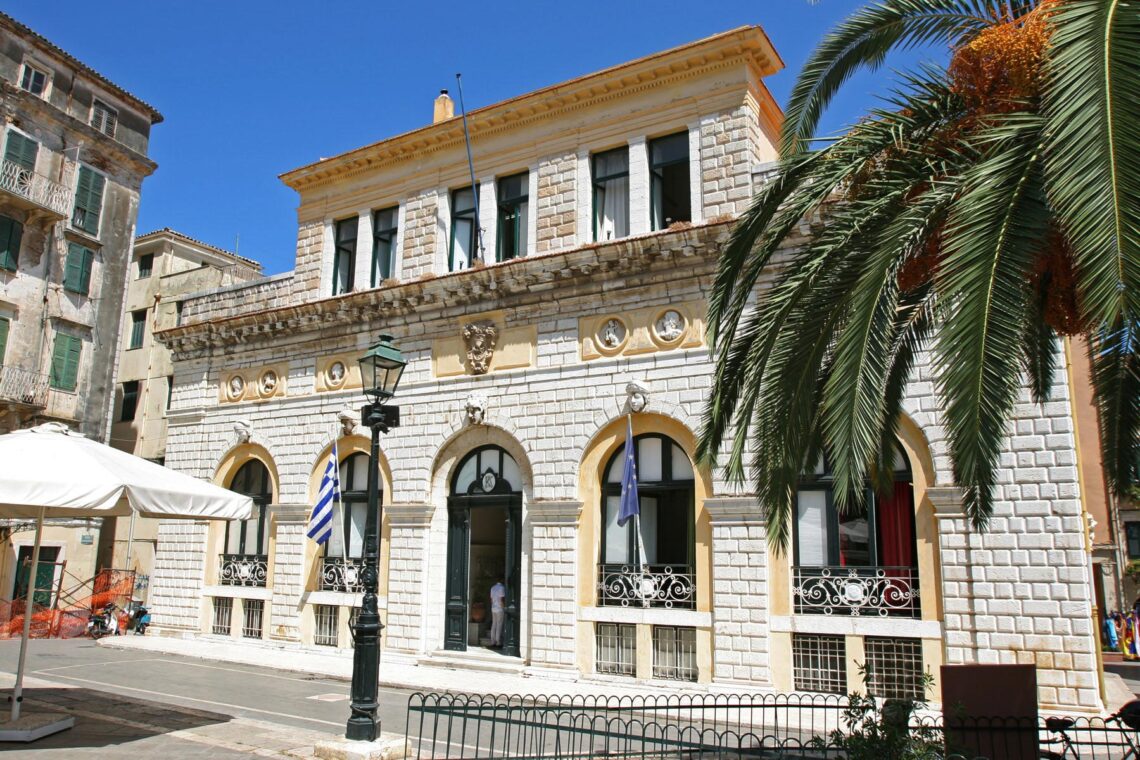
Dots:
(139, 618)
(104, 623)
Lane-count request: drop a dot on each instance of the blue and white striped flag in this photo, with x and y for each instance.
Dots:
(321, 521)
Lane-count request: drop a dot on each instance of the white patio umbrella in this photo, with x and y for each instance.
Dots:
(50, 471)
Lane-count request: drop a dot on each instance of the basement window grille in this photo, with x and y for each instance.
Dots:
(819, 663)
(674, 653)
(616, 649)
(894, 668)
(252, 610)
(223, 615)
(328, 622)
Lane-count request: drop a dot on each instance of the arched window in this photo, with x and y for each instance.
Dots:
(349, 516)
(250, 537)
(486, 470)
(650, 561)
(860, 562)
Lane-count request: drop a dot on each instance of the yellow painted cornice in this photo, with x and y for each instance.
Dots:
(748, 45)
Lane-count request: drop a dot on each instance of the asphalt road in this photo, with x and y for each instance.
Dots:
(293, 699)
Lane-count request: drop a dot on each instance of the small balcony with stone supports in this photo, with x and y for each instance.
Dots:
(22, 388)
(34, 192)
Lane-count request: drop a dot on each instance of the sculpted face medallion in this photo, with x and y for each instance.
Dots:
(670, 326)
(236, 387)
(480, 339)
(612, 334)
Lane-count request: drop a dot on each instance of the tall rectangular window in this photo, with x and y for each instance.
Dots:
(104, 118)
(464, 228)
(4, 323)
(88, 200)
(34, 80)
(513, 212)
(65, 362)
(11, 232)
(77, 269)
(130, 401)
(146, 265)
(344, 256)
(178, 312)
(669, 181)
(21, 151)
(611, 194)
(138, 328)
(384, 229)
(1132, 531)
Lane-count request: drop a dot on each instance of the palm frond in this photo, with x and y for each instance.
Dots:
(1115, 354)
(1092, 103)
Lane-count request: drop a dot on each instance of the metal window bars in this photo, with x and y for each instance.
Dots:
(819, 663)
(252, 612)
(243, 569)
(341, 574)
(667, 586)
(327, 619)
(856, 591)
(223, 615)
(894, 667)
(616, 648)
(674, 653)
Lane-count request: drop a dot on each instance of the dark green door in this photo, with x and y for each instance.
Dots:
(458, 538)
(45, 575)
(513, 576)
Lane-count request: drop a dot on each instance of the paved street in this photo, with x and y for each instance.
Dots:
(125, 698)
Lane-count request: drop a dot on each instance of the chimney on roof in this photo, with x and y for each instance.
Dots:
(444, 107)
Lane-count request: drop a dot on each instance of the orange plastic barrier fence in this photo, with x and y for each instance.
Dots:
(69, 620)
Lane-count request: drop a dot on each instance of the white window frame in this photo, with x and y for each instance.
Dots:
(107, 107)
(36, 65)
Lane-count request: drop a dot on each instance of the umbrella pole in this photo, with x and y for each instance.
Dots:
(18, 691)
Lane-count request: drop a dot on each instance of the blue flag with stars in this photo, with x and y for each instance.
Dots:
(629, 508)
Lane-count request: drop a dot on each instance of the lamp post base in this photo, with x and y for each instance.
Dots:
(386, 747)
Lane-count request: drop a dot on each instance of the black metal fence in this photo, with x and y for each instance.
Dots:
(816, 727)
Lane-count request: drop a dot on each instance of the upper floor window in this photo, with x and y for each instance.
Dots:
(513, 212)
(669, 181)
(349, 515)
(104, 118)
(4, 323)
(21, 151)
(77, 269)
(464, 228)
(130, 401)
(146, 265)
(34, 80)
(611, 194)
(138, 328)
(1132, 531)
(11, 232)
(384, 229)
(88, 200)
(65, 357)
(344, 256)
(178, 312)
(251, 536)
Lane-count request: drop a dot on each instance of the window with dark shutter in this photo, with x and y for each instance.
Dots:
(21, 150)
(3, 338)
(344, 256)
(130, 401)
(34, 80)
(104, 118)
(65, 362)
(77, 270)
(11, 232)
(146, 265)
(138, 328)
(88, 200)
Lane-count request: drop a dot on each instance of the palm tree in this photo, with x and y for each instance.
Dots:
(988, 207)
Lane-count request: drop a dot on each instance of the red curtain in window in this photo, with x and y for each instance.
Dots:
(896, 527)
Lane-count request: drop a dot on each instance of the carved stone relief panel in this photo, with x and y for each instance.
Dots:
(484, 343)
(252, 383)
(337, 373)
(642, 331)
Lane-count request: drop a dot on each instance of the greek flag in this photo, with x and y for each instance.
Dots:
(629, 508)
(321, 521)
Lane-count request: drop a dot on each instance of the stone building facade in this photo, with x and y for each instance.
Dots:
(75, 156)
(166, 266)
(583, 312)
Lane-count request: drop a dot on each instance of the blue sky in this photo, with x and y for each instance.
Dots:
(252, 89)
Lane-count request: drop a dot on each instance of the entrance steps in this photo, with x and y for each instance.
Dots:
(476, 659)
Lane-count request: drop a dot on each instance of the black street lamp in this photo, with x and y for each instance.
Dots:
(380, 371)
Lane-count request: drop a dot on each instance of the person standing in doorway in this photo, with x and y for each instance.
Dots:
(498, 596)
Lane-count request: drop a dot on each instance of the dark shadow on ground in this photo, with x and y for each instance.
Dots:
(103, 719)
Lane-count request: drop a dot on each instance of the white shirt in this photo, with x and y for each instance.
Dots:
(498, 594)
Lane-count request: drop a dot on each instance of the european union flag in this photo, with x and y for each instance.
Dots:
(629, 502)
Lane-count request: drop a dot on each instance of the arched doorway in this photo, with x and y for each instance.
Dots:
(484, 546)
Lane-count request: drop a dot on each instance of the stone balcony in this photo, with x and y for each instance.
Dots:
(34, 192)
(20, 387)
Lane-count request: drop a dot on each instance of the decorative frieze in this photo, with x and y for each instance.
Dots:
(337, 372)
(484, 343)
(642, 331)
(253, 384)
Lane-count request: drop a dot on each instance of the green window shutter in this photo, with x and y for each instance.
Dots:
(65, 362)
(21, 150)
(77, 272)
(10, 233)
(3, 338)
(88, 200)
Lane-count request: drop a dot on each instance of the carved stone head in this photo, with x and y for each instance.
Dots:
(480, 339)
(243, 429)
(475, 408)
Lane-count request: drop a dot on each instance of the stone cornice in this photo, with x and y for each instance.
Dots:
(553, 512)
(747, 45)
(738, 510)
(409, 515)
(490, 287)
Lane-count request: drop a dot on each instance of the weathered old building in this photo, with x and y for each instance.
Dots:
(166, 266)
(602, 203)
(75, 156)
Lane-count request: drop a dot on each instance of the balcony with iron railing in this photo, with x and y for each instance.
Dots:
(341, 574)
(243, 569)
(856, 591)
(663, 586)
(19, 386)
(34, 191)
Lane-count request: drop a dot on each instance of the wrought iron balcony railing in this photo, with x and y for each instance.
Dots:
(342, 574)
(23, 183)
(879, 591)
(243, 569)
(23, 387)
(668, 586)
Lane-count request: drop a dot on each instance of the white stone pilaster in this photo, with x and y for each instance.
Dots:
(638, 186)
